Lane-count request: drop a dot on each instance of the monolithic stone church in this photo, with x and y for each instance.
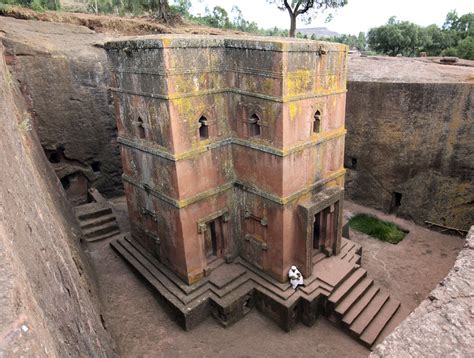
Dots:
(232, 152)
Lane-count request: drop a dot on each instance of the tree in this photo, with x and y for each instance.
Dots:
(434, 40)
(361, 42)
(160, 9)
(240, 23)
(465, 48)
(182, 7)
(218, 18)
(305, 9)
(396, 37)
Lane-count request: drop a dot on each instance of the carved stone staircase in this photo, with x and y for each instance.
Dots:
(338, 288)
(96, 219)
(361, 307)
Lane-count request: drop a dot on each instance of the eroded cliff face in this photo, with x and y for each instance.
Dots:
(410, 149)
(64, 76)
(48, 302)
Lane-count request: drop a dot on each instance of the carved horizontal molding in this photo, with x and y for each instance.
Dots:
(227, 186)
(163, 153)
(223, 69)
(278, 99)
(288, 199)
(224, 44)
(176, 202)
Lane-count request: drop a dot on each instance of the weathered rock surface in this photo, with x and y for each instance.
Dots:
(409, 146)
(443, 325)
(64, 75)
(408, 70)
(48, 303)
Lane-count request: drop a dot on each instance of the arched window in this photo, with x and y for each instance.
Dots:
(141, 128)
(203, 128)
(254, 125)
(317, 122)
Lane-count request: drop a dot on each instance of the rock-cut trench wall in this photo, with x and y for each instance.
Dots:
(48, 302)
(410, 150)
(64, 77)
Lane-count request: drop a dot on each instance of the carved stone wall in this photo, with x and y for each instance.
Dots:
(210, 124)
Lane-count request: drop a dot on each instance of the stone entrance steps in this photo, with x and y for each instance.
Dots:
(364, 309)
(96, 219)
(338, 287)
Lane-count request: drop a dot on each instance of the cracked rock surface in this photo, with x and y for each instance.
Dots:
(443, 325)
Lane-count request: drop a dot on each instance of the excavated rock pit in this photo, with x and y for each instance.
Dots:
(50, 304)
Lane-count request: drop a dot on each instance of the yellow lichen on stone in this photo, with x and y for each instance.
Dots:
(166, 41)
(299, 82)
(267, 86)
(294, 110)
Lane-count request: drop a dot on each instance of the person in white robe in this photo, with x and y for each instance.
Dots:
(295, 276)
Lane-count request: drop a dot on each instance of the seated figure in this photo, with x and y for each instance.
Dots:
(296, 278)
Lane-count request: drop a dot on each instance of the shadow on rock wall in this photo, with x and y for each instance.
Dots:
(410, 150)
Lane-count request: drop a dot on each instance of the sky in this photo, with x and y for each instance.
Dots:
(358, 15)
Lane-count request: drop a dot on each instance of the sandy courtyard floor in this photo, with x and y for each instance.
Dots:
(142, 328)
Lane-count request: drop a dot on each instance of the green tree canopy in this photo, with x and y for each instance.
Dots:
(305, 9)
(455, 38)
(396, 37)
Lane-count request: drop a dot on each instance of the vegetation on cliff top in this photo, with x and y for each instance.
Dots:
(454, 38)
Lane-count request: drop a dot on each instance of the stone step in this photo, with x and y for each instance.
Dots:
(92, 210)
(230, 287)
(334, 271)
(152, 265)
(355, 294)
(100, 230)
(347, 286)
(357, 308)
(283, 295)
(318, 257)
(313, 285)
(98, 221)
(355, 259)
(104, 236)
(369, 313)
(137, 264)
(393, 323)
(375, 327)
(241, 290)
(181, 285)
(147, 269)
(349, 249)
(283, 287)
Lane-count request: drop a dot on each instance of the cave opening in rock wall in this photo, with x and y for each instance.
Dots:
(96, 166)
(396, 201)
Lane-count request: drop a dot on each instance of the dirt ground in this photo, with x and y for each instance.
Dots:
(411, 269)
(142, 328)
